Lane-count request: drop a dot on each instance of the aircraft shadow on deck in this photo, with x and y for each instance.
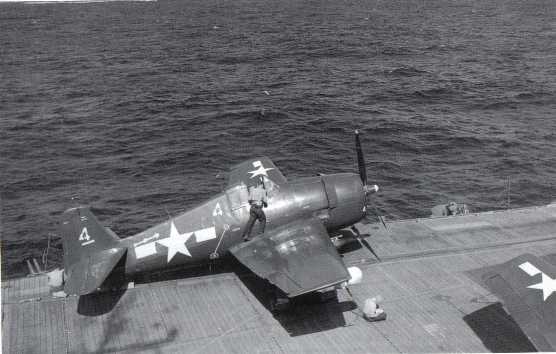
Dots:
(497, 330)
(355, 242)
(306, 313)
(98, 304)
(117, 322)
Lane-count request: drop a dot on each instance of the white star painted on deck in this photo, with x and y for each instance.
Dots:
(176, 242)
(547, 285)
(260, 171)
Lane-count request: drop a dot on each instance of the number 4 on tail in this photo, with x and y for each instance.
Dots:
(85, 238)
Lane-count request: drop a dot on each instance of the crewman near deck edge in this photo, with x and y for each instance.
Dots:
(258, 200)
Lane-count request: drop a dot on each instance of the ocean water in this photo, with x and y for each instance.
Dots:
(139, 108)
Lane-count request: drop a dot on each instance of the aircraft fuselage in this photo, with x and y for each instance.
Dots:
(214, 226)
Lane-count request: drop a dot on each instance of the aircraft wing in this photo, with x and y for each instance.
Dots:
(527, 286)
(248, 171)
(298, 257)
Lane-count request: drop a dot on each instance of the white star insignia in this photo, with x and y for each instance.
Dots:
(260, 171)
(176, 242)
(547, 285)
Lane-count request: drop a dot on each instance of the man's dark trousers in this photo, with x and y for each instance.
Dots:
(255, 213)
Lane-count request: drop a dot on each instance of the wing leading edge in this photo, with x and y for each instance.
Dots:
(298, 257)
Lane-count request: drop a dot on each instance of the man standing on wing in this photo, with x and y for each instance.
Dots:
(257, 199)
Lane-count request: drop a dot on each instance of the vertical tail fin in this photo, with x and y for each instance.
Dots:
(82, 234)
(91, 251)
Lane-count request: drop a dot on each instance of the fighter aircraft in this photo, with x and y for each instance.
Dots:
(527, 286)
(295, 253)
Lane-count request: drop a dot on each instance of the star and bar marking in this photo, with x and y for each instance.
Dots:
(547, 284)
(260, 169)
(175, 243)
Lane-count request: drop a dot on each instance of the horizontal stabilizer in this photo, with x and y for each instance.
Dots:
(298, 258)
(87, 275)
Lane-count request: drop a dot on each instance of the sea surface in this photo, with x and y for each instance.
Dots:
(139, 108)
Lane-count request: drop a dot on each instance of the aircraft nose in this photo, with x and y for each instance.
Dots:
(349, 189)
(346, 194)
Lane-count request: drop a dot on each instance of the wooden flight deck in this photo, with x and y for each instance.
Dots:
(425, 269)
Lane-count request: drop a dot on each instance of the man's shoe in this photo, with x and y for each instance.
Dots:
(246, 239)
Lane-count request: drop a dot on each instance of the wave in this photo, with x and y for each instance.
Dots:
(406, 72)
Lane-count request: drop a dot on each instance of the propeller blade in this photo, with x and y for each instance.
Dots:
(363, 174)
(381, 218)
(360, 159)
